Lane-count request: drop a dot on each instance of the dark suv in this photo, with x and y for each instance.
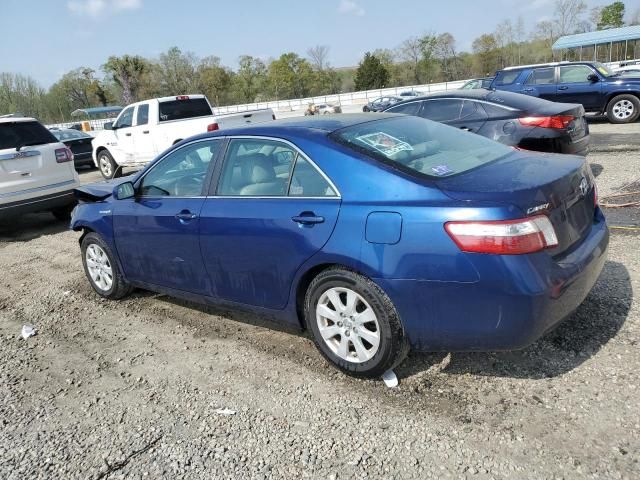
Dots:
(592, 84)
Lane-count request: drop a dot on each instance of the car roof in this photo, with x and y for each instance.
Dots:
(325, 123)
(549, 64)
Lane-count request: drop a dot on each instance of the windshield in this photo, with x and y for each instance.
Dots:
(604, 70)
(419, 146)
(64, 135)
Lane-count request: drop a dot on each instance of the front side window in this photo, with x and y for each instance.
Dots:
(420, 147)
(507, 77)
(182, 172)
(542, 76)
(126, 119)
(142, 117)
(442, 110)
(269, 168)
(410, 108)
(575, 74)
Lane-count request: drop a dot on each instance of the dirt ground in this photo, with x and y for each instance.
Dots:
(138, 388)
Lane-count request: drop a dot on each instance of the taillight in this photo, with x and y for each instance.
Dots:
(212, 127)
(504, 237)
(182, 97)
(557, 121)
(63, 155)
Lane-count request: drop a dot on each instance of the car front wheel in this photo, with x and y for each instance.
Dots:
(101, 268)
(354, 324)
(623, 109)
(107, 165)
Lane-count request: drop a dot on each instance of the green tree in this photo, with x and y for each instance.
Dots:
(291, 76)
(371, 73)
(611, 16)
(487, 56)
(250, 79)
(177, 72)
(127, 72)
(214, 80)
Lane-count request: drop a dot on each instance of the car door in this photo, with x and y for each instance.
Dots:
(271, 211)
(123, 130)
(157, 231)
(541, 83)
(575, 86)
(460, 113)
(144, 142)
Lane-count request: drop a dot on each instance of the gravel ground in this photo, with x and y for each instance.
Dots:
(138, 388)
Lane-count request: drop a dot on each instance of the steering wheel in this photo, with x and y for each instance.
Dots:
(189, 185)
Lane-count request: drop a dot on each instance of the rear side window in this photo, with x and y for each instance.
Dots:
(182, 109)
(442, 110)
(411, 108)
(142, 118)
(542, 76)
(23, 134)
(507, 77)
(420, 147)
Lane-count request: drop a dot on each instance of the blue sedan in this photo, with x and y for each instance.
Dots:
(375, 234)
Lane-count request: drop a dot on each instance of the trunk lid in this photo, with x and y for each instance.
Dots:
(559, 186)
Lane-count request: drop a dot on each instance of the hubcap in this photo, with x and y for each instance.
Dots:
(623, 109)
(348, 325)
(99, 267)
(105, 166)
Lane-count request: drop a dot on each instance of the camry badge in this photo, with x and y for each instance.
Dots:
(544, 206)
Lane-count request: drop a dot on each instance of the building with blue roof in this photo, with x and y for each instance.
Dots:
(611, 45)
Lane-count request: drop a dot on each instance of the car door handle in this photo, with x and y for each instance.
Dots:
(185, 215)
(527, 89)
(564, 87)
(307, 218)
(466, 129)
(145, 131)
(127, 134)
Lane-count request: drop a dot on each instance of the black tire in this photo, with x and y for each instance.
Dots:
(119, 287)
(107, 165)
(63, 213)
(365, 108)
(620, 105)
(393, 346)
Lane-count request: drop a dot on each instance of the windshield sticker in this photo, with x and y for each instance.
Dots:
(603, 71)
(441, 170)
(385, 143)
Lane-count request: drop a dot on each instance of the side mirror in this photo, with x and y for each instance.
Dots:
(593, 78)
(123, 191)
(108, 126)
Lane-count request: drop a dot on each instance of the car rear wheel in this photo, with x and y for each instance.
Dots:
(354, 324)
(101, 268)
(108, 167)
(623, 109)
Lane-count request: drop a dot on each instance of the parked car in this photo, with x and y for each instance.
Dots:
(628, 70)
(410, 94)
(592, 84)
(144, 129)
(325, 108)
(375, 234)
(510, 118)
(381, 103)
(477, 83)
(78, 142)
(36, 170)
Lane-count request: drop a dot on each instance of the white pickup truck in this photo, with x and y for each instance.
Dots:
(145, 129)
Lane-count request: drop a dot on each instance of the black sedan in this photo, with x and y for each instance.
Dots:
(379, 104)
(511, 118)
(78, 142)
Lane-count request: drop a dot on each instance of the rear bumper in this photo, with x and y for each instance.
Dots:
(37, 204)
(561, 144)
(82, 159)
(516, 300)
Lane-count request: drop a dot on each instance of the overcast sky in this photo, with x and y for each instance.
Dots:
(46, 38)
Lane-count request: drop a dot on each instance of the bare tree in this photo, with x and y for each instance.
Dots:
(411, 52)
(519, 34)
(568, 15)
(318, 57)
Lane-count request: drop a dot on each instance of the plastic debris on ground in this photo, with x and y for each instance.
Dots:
(225, 411)
(28, 331)
(390, 379)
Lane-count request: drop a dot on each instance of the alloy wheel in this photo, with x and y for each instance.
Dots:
(105, 166)
(348, 325)
(623, 109)
(99, 267)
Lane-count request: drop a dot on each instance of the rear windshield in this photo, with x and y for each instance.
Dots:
(23, 134)
(420, 147)
(181, 109)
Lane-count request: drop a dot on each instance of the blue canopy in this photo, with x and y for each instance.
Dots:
(96, 111)
(596, 38)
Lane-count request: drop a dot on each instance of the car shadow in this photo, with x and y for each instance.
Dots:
(29, 227)
(596, 169)
(576, 340)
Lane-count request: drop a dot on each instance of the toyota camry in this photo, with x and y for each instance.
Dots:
(375, 234)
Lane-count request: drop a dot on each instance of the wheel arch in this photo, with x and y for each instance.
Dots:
(613, 95)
